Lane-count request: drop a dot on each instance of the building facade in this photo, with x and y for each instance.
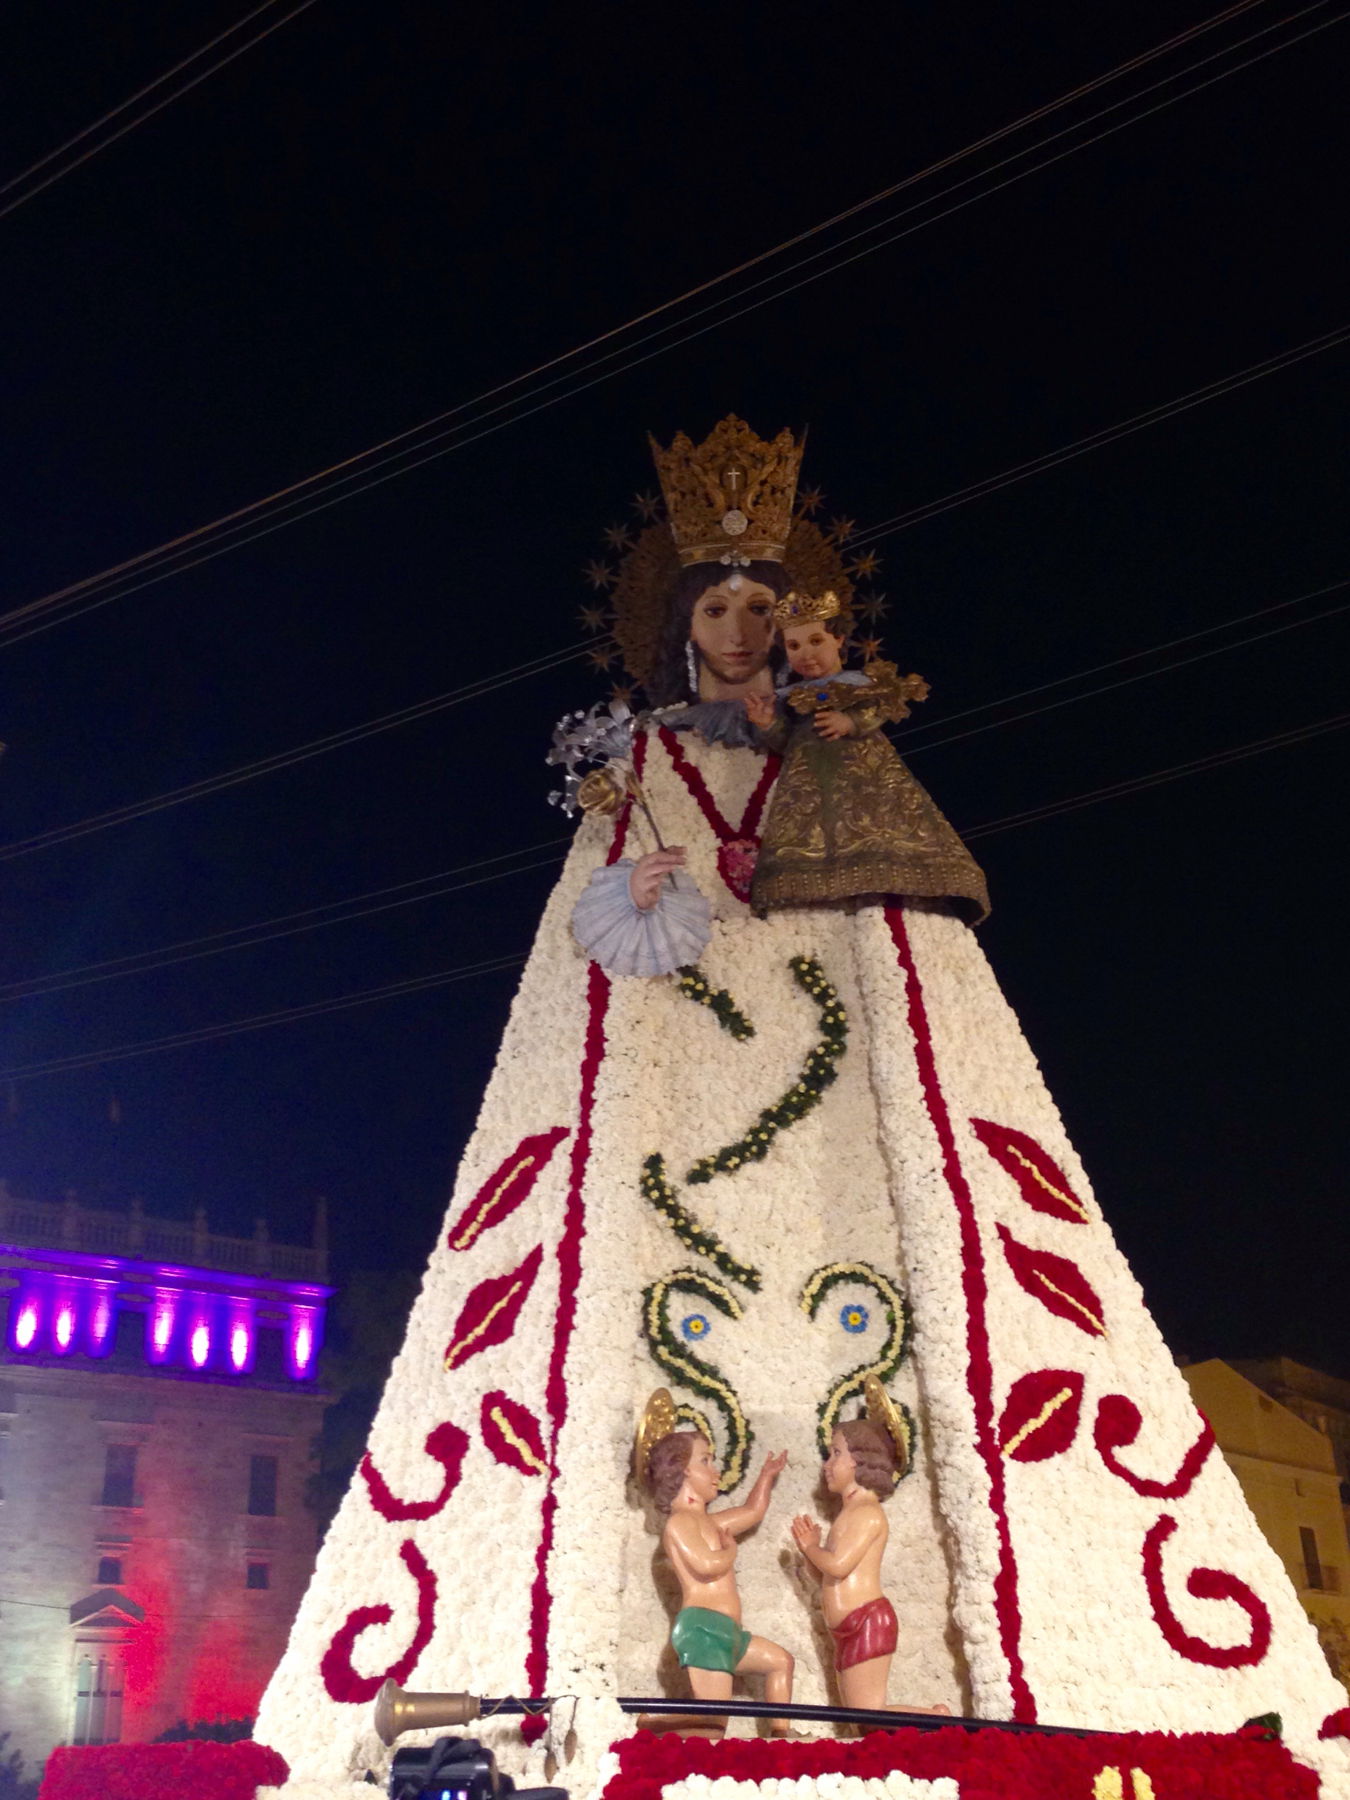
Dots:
(1288, 1467)
(158, 1411)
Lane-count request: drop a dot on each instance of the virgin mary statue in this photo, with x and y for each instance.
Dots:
(818, 1148)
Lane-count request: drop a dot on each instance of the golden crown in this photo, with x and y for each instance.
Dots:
(730, 498)
(797, 608)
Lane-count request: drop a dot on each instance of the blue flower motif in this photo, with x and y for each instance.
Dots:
(854, 1317)
(695, 1325)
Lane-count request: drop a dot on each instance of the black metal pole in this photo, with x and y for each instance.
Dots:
(807, 1715)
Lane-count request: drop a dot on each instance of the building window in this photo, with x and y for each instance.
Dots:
(259, 1575)
(109, 1571)
(98, 1701)
(262, 1485)
(1312, 1562)
(119, 1478)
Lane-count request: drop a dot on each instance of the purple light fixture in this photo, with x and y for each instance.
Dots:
(27, 1317)
(302, 1341)
(63, 1325)
(159, 1335)
(98, 1318)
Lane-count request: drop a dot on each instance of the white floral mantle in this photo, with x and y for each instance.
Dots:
(1066, 1513)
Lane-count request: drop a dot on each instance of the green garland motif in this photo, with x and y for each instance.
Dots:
(893, 1351)
(695, 986)
(659, 1191)
(691, 1371)
(818, 1072)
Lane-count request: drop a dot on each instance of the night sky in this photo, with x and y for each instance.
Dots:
(383, 211)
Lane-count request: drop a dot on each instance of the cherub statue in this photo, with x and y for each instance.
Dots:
(867, 1457)
(847, 818)
(679, 1471)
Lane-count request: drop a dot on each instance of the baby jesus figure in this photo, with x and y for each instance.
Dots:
(847, 818)
(708, 1637)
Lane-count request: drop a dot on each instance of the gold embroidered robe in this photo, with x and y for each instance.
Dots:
(847, 818)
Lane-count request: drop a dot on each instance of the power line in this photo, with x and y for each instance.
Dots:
(1182, 662)
(25, 175)
(1154, 415)
(246, 937)
(1117, 662)
(1159, 777)
(285, 759)
(443, 977)
(260, 1021)
(308, 494)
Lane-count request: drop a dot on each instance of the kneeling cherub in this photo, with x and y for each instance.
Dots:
(680, 1472)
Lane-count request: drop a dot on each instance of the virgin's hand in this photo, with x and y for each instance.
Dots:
(759, 710)
(774, 1465)
(644, 883)
(833, 725)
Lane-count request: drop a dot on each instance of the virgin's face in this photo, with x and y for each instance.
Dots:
(700, 1475)
(732, 627)
(840, 1467)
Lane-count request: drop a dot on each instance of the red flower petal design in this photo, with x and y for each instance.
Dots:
(340, 1678)
(1040, 1415)
(1040, 1180)
(1204, 1584)
(1336, 1725)
(513, 1435)
(1059, 1285)
(736, 861)
(505, 1188)
(489, 1314)
(446, 1444)
(1117, 1426)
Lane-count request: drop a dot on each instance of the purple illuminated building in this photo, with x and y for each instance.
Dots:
(158, 1410)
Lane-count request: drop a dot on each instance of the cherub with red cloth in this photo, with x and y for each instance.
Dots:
(867, 1457)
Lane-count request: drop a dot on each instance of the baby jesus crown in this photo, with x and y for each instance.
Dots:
(797, 609)
(730, 498)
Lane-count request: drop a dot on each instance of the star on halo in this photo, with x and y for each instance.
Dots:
(602, 656)
(869, 648)
(873, 608)
(592, 618)
(809, 501)
(616, 536)
(647, 506)
(842, 528)
(622, 694)
(865, 566)
(599, 574)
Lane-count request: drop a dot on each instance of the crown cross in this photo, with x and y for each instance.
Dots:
(731, 497)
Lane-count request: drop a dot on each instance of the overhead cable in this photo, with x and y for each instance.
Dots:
(1182, 662)
(442, 977)
(1153, 415)
(311, 918)
(317, 492)
(285, 759)
(26, 181)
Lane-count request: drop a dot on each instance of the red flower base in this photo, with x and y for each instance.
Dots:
(988, 1765)
(196, 1770)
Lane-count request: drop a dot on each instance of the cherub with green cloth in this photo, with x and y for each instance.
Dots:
(680, 1472)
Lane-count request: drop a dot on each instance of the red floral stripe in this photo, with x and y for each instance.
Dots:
(1117, 1427)
(1203, 1584)
(979, 1369)
(569, 1273)
(198, 1767)
(340, 1678)
(692, 778)
(446, 1444)
(993, 1765)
